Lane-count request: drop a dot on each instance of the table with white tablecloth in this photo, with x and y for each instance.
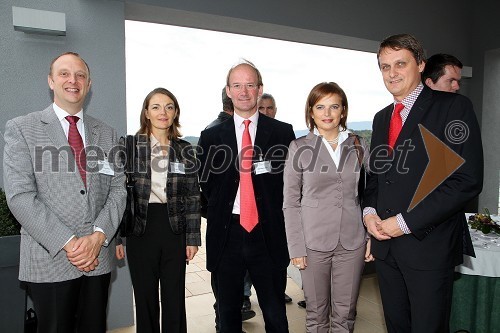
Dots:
(476, 289)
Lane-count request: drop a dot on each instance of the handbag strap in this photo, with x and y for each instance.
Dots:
(359, 149)
(130, 152)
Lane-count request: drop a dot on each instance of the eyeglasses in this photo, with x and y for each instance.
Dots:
(239, 86)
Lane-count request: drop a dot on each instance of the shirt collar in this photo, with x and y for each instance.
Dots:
(343, 134)
(409, 100)
(154, 141)
(62, 114)
(238, 120)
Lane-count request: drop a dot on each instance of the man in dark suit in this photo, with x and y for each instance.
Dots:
(240, 237)
(417, 244)
(69, 210)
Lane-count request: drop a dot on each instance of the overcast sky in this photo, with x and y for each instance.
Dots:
(193, 64)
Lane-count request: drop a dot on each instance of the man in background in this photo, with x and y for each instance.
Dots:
(442, 72)
(68, 213)
(267, 105)
(227, 110)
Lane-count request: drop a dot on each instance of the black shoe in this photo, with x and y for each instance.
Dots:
(288, 299)
(302, 304)
(247, 305)
(249, 314)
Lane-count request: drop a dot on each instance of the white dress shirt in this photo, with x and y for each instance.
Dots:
(334, 153)
(61, 115)
(239, 126)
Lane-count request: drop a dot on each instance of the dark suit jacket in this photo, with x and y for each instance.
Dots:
(439, 230)
(219, 180)
(183, 191)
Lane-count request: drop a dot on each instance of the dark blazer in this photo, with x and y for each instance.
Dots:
(439, 230)
(183, 192)
(219, 180)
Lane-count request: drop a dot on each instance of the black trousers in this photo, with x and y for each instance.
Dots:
(158, 257)
(77, 305)
(414, 301)
(247, 251)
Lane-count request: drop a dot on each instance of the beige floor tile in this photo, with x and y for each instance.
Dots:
(199, 288)
(194, 267)
(205, 275)
(363, 326)
(193, 277)
(200, 305)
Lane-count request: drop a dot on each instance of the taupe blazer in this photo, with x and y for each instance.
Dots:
(321, 204)
(46, 194)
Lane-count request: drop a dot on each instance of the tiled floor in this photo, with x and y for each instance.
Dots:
(200, 300)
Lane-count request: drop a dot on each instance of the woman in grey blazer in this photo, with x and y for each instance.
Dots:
(167, 216)
(326, 237)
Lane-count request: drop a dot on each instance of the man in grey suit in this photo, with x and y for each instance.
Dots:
(69, 209)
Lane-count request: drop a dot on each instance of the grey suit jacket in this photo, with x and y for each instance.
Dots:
(320, 205)
(47, 196)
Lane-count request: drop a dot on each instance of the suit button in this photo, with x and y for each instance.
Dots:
(169, 184)
(231, 203)
(388, 210)
(82, 192)
(236, 180)
(388, 182)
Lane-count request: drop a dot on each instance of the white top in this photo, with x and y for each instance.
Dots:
(61, 115)
(334, 153)
(239, 126)
(159, 172)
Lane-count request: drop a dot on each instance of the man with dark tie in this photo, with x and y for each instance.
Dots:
(414, 205)
(62, 187)
(241, 174)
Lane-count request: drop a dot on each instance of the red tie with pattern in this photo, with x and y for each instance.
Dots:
(248, 208)
(396, 124)
(76, 143)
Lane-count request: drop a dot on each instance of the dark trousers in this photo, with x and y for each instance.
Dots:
(247, 251)
(77, 305)
(158, 256)
(414, 301)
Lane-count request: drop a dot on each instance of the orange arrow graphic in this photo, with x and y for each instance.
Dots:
(442, 163)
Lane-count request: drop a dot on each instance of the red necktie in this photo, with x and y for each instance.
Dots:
(76, 143)
(396, 124)
(248, 208)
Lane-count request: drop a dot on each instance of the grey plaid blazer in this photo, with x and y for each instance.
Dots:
(183, 191)
(46, 194)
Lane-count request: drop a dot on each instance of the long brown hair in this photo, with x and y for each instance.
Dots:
(173, 131)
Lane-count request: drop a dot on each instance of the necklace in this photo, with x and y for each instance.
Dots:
(334, 141)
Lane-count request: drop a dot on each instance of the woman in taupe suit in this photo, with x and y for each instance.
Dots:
(326, 237)
(167, 216)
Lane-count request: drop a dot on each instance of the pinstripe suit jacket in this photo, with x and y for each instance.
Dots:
(47, 196)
